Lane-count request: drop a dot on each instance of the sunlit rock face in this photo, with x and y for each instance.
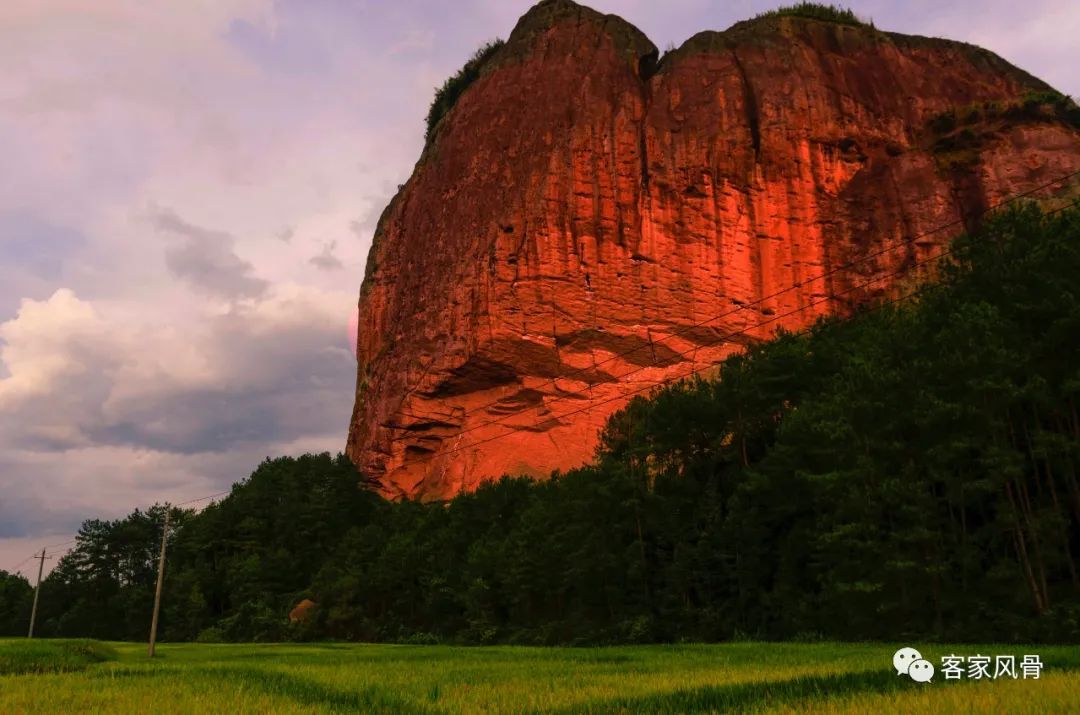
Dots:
(588, 221)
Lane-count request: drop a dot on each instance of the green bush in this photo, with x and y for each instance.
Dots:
(255, 622)
(1046, 105)
(213, 634)
(15, 596)
(51, 656)
(420, 638)
(1052, 97)
(943, 123)
(1049, 103)
(816, 11)
(958, 135)
(447, 95)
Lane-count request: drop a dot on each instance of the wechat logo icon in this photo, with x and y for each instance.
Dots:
(910, 662)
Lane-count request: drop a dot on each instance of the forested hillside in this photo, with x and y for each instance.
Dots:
(909, 473)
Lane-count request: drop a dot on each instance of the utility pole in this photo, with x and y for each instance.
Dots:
(160, 578)
(37, 592)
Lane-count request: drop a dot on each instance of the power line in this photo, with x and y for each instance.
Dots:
(160, 576)
(726, 338)
(167, 504)
(37, 592)
(157, 589)
(686, 329)
(192, 501)
(18, 565)
(620, 397)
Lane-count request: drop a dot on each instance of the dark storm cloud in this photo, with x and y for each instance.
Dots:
(22, 515)
(35, 256)
(17, 520)
(326, 260)
(281, 372)
(272, 370)
(218, 421)
(205, 259)
(35, 244)
(300, 398)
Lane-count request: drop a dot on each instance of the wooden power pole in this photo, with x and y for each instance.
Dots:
(37, 592)
(157, 591)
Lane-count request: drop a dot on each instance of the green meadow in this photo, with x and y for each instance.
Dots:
(88, 676)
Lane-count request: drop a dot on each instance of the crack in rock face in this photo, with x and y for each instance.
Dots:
(588, 220)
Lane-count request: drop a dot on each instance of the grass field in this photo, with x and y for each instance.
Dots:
(84, 676)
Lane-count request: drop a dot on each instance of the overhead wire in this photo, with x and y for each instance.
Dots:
(70, 542)
(727, 338)
(19, 565)
(686, 329)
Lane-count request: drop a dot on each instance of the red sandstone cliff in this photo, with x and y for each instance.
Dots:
(583, 210)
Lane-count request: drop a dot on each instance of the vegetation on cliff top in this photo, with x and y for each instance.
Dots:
(958, 136)
(915, 468)
(447, 95)
(1049, 105)
(817, 11)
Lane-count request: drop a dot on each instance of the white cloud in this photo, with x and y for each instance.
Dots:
(48, 344)
(119, 384)
(264, 370)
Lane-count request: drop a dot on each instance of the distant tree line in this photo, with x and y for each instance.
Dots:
(907, 474)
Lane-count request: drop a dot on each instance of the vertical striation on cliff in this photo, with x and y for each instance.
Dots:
(586, 208)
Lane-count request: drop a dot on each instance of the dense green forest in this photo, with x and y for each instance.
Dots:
(909, 473)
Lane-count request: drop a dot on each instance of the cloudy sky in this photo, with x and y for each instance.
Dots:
(189, 193)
